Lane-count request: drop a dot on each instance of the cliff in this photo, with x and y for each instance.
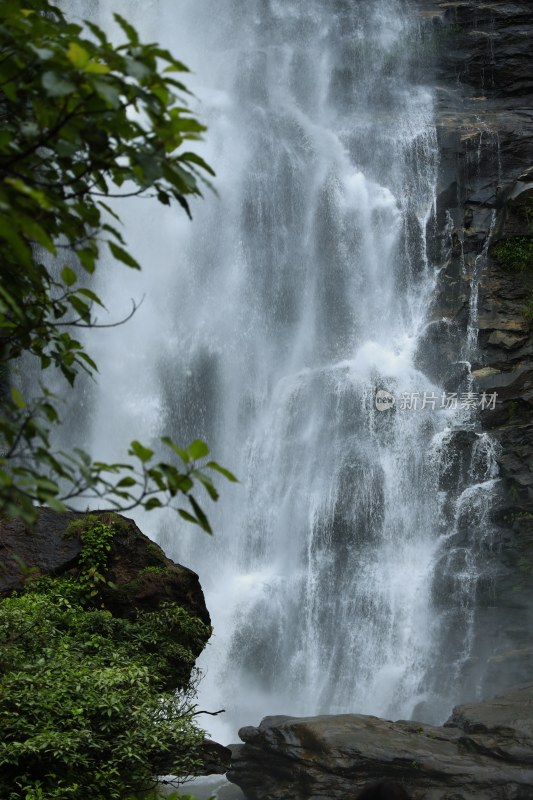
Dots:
(482, 58)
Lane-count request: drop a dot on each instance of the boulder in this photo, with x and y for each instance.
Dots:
(142, 575)
(483, 752)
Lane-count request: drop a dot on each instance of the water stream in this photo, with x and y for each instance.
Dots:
(269, 325)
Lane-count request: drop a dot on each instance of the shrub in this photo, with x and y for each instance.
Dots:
(514, 254)
(85, 708)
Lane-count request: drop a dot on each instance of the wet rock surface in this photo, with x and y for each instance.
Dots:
(482, 57)
(483, 752)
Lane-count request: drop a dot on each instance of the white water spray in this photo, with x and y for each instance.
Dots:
(269, 324)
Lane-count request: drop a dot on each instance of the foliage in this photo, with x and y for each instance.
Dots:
(86, 708)
(153, 570)
(82, 121)
(96, 537)
(515, 253)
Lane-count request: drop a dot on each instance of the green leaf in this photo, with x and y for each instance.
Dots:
(80, 306)
(77, 55)
(189, 517)
(87, 257)
(142, 453)
(109, 210)
(89, 361)
(44, 53)
(96, 68)
(197, 450)
(107, 92)
(207, 483)
(137, 69)
(195, 159)
(152, 503)
(200, 516)
(17, 398)
(225, 472)
(128, 29)
(127, 482)
(112, 230)
(183, 454)
(68, 276)
(176, 66)
(122, 255)
(91, 296)
(36, 194)
(56, 504)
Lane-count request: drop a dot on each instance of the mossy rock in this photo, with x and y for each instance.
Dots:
(140, 576)
(514, 254)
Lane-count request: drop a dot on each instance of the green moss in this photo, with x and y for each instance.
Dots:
(153, 570)
(154, 552)
(514, 254)
(78, 526)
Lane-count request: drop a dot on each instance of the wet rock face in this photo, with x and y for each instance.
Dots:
(488, 45)
(483, 752)
(483, 70)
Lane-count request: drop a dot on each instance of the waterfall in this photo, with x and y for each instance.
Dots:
(269, 325)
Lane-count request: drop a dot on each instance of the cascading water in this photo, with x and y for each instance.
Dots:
(269, 325)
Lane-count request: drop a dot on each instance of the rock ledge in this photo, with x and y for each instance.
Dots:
(483, 752)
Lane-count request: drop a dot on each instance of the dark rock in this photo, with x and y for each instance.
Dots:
(509, 716)
(230, 791)
(483, 70)
(215, 758)
(437, 349)
(44, 548)
(484, 752)
(143, 575)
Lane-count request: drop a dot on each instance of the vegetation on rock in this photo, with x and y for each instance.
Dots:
(88, 706)
(514, 253)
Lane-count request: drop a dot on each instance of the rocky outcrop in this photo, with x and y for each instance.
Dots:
(482, 58)
(484, 752)
(140, 574)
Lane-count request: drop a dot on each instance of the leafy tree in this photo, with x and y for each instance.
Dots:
(87, 707)
(82, 121)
